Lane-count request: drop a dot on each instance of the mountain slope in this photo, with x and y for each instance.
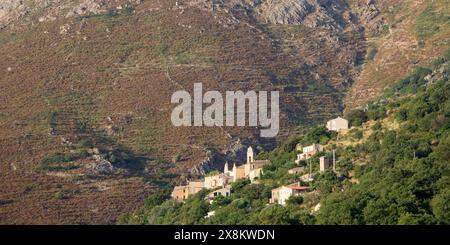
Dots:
(86, 86)
(400, 38)
(392, 169)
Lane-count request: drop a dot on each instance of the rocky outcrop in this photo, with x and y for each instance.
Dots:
(330, 14)
(102, 167)
(11, 10)
(369, 15)
(213, 161)
(86, 7)
(311, 13)
(438, 74)
(216, 160)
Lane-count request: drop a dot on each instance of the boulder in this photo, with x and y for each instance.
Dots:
(102, 167)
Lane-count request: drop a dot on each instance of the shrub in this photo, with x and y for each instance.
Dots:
(402, 115)
(212, 173)
(129, 10)
(60, 195)
(356, 134)
(5, 201)
(441, 206)
(274, 215)
(319, 134)
(356, 117)
(157, 198)
(376, 113)
(430, 22)
(371, 54)
(295, 200)
(412, 83)
(377, 126)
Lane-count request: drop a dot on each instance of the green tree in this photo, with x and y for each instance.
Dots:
(440, 205)
(274, 215)
(356, 117)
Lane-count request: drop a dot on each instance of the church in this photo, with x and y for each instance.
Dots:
(252, 169)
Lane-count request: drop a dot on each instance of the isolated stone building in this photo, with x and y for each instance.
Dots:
(325, 164)
(337, 124)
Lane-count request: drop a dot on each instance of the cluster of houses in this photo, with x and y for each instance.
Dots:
(252, 169)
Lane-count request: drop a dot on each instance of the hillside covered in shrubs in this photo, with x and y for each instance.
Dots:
(393, 167)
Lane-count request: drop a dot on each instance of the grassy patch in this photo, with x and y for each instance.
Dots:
(430, 22)
(61, 162)
(61, 195)
(5, 39)
(371, 54)
(183, 58)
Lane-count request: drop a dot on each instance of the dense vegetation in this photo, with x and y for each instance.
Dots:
(401, 169)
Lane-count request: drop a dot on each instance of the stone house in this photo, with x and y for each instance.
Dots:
(308, 152)
(225, 192)
(282, 194)
(337, 124)
(275, 195)
(297, 170)
(180, 193)
(218, 180)
(195, 186)
(325, 164)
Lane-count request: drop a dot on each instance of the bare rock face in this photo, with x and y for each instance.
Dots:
(287, 12)
(312, 13)
(14, 11)
(369, 16)
(11, 10)
(102, 167)
(86, 7)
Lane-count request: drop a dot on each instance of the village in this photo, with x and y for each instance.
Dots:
(252, 169)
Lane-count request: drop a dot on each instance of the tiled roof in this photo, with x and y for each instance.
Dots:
(295, 187)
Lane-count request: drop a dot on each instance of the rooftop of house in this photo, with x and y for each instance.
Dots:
(179, 187)
(297, 186)
(338, 118)
(301, 188)
(195, 182)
